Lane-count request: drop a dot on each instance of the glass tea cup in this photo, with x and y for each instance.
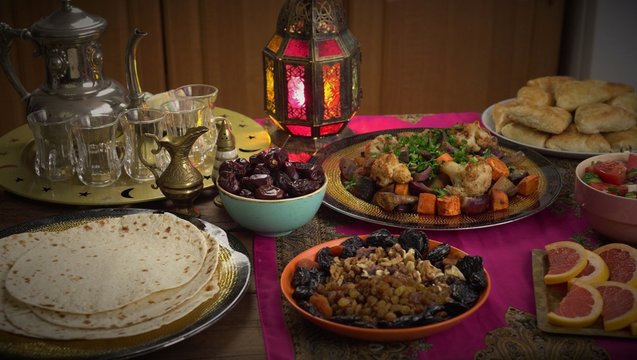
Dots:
(208, 94)
(54, 155)
(183, 114)
(135, 123)
(99, 154)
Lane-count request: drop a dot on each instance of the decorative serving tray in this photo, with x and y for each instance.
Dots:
(18, 176)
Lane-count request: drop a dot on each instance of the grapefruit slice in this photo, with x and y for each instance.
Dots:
(622, 262)
(566, 260)
(581, 307)
(620, 304)
(595, 272)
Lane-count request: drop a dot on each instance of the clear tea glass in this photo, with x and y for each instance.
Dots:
(183, 114)
(135, 123)
(208, 94)
(99, 161)
(54, 155)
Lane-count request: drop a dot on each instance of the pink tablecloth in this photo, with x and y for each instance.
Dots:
(506, 252)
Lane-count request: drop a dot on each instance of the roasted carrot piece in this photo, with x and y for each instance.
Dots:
(528, 185)
(444, 158)
(499, 200)
(401, 189)
(448, 205)
(426, 204)
(498, 168)
(322, 304)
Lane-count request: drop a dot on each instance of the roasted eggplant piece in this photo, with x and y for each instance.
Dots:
(473, 205)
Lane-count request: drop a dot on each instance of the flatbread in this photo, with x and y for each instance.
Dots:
(152, 306)
(12, 248)
(22, 316)
(107, 264)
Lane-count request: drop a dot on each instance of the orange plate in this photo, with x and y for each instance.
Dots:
(402, 334)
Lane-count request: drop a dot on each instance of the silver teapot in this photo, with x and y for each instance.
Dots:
(68, 41)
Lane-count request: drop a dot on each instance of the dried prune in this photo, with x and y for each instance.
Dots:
(351, 320)
(471, 268)
(414, 239)
(382, 238)
(254, 181)
(437, 254)
(350, 246)
(229, 182)
(302, 292)
(268, 192)
(307, 306)
(324, 259)
(463, 293)
(303, 186)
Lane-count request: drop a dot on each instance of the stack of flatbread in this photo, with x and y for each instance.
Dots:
(565, 114)
(108, 278)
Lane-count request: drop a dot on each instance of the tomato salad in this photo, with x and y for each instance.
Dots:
(615, 177)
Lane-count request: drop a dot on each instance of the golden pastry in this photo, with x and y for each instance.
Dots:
(573, 94)
(549, 119)
(573, 140)
(525, 134)
(627, 101)
(622, 140)
(536, 96)
(600, 117)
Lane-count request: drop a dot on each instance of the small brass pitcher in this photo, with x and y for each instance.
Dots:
(181, 182)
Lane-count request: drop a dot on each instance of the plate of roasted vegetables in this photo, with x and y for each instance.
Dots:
(384, 286)
(436, 178)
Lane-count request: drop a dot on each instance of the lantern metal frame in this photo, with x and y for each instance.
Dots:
(321, 25)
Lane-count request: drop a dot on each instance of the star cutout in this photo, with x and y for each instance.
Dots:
(84, 194)
(251, 137)
(14, 140)
(46, 189)
(208, 177)
(19, 179)
(242, 125)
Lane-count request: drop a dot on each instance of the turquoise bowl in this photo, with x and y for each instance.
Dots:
(273, 217)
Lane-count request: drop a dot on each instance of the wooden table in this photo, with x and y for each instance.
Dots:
(236, 335)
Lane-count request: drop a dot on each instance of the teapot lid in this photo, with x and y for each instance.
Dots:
(68, 22)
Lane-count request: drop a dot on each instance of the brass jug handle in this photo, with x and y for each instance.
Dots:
(7, 34)
(152, 166)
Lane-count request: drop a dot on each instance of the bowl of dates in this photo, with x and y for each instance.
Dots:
(269, 194)
(385, 287)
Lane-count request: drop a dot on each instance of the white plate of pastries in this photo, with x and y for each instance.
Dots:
(565, 117)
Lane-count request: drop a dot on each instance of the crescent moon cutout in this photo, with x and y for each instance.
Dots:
(126, 193)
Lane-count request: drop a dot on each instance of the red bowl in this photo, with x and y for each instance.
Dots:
(380, 335)
(611, 215)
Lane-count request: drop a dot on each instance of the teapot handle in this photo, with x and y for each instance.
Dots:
(7, 34)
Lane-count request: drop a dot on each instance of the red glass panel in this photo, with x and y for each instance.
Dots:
(297, 48)
(330, 129)
(300, 130)
(329, 47)
(332, 91)
(295, 80)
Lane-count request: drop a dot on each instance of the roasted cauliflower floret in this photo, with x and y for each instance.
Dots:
(477, 138)
(477, 178)
(472, 179)
(379, 145)
(387, 169)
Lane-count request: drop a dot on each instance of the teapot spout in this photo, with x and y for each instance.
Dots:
(135, 95)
